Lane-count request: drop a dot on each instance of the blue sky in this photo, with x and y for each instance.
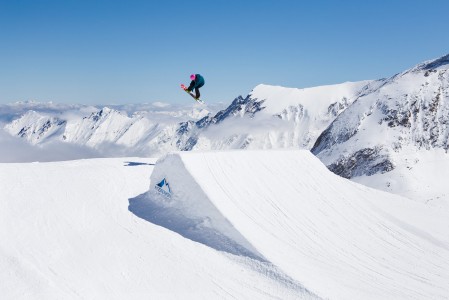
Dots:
(109, 51)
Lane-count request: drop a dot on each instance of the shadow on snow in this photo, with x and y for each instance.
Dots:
(172, 218)
(133, 164)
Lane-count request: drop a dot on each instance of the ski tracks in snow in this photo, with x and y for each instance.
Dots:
(314, 228)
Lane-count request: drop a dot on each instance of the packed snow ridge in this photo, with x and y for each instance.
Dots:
(335, 238)
(229, 224)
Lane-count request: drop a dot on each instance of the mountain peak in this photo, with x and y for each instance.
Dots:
(103, 113)
(433, 64)
(438, 63)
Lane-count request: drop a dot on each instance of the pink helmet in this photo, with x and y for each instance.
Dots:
(192, 77)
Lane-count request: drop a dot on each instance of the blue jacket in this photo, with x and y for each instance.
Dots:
(197, 83)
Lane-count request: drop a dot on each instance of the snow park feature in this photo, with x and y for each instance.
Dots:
(66, 233)
(335, 238)
(239, 224)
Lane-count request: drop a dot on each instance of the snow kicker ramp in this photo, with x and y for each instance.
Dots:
(338, 239)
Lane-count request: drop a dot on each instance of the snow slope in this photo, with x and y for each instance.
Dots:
(419, 175)
(338, 239)
(66, 233)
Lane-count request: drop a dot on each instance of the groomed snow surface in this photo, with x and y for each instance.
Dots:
(235, 224)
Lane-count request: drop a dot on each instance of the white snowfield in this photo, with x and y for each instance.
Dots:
(66, 233)
(238, 225)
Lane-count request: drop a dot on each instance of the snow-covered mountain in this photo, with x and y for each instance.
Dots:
(269, 117)
(391, 128)
(128, 129)
(273, 117)
(35, 127)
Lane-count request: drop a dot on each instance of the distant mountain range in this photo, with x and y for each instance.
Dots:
(377, 129)
(268, 118)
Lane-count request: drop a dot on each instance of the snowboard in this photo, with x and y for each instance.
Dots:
(193, 96)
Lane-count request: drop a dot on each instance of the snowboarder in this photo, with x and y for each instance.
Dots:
(197, 82)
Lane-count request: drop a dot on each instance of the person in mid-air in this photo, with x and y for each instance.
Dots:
(197, 82)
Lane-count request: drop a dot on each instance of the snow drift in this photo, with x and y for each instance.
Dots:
(338, 239)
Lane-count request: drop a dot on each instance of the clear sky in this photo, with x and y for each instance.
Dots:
(132, 51)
